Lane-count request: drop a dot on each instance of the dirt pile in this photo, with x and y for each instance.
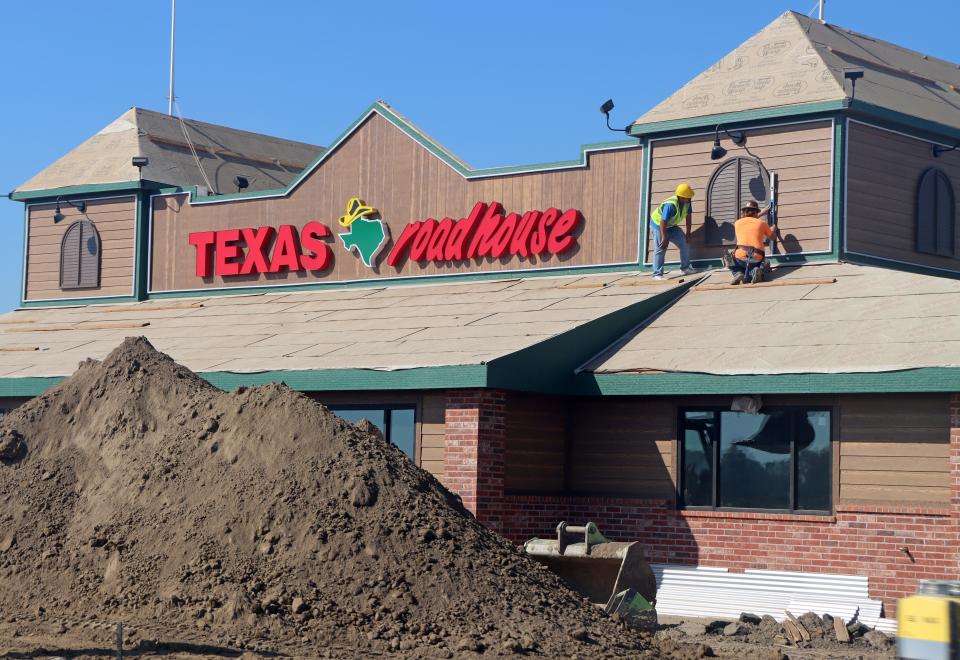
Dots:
(134, 491)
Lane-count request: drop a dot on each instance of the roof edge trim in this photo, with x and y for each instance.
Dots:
(797, 110)
(928, 379)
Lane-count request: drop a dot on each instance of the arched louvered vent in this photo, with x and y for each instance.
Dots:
(734, 182)
(935, 214)
(80, 256)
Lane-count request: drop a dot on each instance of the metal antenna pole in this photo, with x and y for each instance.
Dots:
(173, 31)
(820, 14)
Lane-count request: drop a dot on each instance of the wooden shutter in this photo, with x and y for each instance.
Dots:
(935, 214)
(80, 256)
(734, 182)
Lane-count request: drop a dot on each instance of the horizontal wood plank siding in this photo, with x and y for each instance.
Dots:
(895, 449)
(432, 429)
(407, 183)
(800, 154)
(115, 220)
(535, 448)
(883, 172)
(622, 447)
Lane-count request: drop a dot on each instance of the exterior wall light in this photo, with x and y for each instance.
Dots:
(853, 76)
(80, 206)
(937, 149)
(605, 109)
(739, 138)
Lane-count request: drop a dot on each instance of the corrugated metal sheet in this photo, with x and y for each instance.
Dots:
(716, 592)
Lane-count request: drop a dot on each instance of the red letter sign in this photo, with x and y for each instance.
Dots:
(203, 240)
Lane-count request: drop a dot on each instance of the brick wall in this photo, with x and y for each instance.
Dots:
(857, 540)
(955, 454)
(896, 546)
(473, 461)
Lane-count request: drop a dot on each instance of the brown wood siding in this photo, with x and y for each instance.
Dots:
(115, 220)
(895, 449)
(535, 448)
(623, 447)
(406, 183)
(883, 172)
(801, 155)
(432, 433)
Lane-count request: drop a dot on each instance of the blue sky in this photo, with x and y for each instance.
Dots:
(498, 83)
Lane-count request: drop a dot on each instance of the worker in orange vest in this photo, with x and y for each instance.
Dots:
(752, 232)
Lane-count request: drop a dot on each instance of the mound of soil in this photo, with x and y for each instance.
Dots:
(136, 492)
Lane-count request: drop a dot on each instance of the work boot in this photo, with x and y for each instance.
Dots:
(737, 278)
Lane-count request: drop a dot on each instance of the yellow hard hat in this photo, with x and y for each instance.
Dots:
(684, 190)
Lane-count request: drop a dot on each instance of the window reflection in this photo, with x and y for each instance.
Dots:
(398, 424)
(778, 459)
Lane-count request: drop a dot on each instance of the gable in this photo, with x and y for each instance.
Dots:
(778, 66)
(406, 178)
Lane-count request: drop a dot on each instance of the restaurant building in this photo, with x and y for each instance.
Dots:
(502, 327)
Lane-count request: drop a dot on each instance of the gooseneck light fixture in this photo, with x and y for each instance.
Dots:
(938, 150)
(739, 138)
(605, 109)
(80, 206)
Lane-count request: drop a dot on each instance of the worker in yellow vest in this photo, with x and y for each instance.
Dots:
(665, 222)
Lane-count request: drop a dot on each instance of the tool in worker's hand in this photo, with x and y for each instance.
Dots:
(609, 573)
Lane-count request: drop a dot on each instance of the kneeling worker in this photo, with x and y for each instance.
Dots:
(751, 234)
(665, 221)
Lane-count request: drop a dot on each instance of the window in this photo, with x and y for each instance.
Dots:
(776, 460)
(935, 214)
(734, 182)
(395, 422)
(80, 256)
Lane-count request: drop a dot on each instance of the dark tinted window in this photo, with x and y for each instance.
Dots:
(776, 460)
(397, 423)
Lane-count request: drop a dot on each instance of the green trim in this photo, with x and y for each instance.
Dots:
(400, 281)
(550, 366)
(932, 379)
(74, 302)
(141, 238)
(838, 222)
(496, 375)
(28, 386)
(421, 378)
(932, 130)
(797, 110)
(53, 193)
(645, 174)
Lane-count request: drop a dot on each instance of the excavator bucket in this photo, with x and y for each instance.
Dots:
(612, 574)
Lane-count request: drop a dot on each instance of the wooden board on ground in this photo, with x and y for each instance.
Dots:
(793, 634)
(795, 621)
(843, 635)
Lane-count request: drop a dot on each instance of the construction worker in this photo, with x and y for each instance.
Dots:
(751, 233)
(665, 222)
